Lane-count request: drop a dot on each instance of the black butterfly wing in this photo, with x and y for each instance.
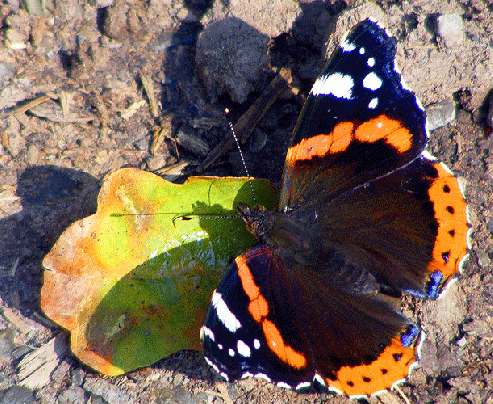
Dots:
(358, 123)
(292, 327)
(238, 347)
(407, 229)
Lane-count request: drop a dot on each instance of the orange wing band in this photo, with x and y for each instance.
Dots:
(259, 310)
(391, 365)
(381, 127)
(450, 213)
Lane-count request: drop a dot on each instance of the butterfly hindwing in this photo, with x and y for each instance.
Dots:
(406, 228)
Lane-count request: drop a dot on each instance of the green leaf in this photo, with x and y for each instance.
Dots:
(133, 281)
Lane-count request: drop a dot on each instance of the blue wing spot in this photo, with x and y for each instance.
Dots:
(434, 284)
(408, 337)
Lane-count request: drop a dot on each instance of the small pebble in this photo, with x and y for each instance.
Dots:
(489, 224)
(451, 29)
(6, 70)
(84, 142)
(104, 3)
(178, 379)
(192, 143)
(461, 342)
(34, 7)
(16, 143)
(7, 345)
(16, 39)
(73, 395)
(77, 377)
(440, 114)
(141, 144)
(16, 395)
(32, 154)
(258, 140)
(231, 57)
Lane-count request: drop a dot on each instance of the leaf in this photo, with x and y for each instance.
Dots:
(132, 284)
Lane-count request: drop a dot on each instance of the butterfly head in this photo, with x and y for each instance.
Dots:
(256, 219)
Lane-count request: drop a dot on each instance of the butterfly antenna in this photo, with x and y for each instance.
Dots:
(242, 158)
(178, 218)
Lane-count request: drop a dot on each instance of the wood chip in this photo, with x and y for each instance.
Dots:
(66, 99)
(35, 368)
(164, 132)
(132, 109)
(223, 393)
(17, 321)
(8, 194)
(149, 89)
(192, 144)
(206, 123)
(103, 114)
(173, 172)
(53, 112)
(27, 106)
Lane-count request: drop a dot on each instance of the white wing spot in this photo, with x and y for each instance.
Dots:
(211, 364)
(373, 103)
(256, 343)
(220, 346)
(283, 385)
(303, 385)
(319, 379)
(224, 314)
(338, 84)
(372, 81)
(224, 376)
(206, 332)
(231, 352)
(428, 156)
(361, 51)
(347, 46)
(243, 349)
(262, 376)
(370, 62)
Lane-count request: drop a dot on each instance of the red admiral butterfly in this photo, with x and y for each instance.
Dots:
(364, 215)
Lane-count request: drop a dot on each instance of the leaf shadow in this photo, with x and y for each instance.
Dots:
(52, 198)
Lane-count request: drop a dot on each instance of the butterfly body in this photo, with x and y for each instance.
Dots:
(364, 216)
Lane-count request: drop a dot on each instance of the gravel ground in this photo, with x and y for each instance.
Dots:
(86, 85)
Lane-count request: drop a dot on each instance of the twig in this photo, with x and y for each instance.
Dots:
(149, 89)
(26, 107)
(401, 393)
